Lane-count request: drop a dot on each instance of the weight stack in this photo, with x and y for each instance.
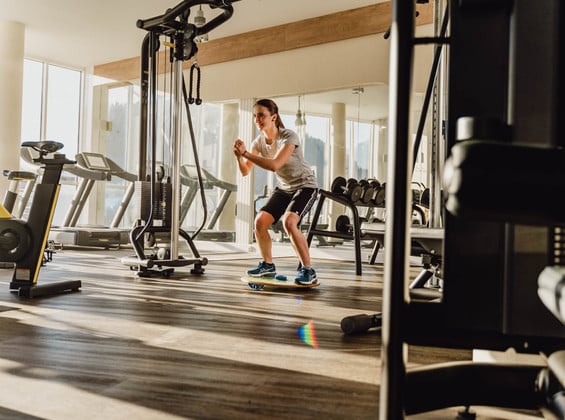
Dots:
(161, 205)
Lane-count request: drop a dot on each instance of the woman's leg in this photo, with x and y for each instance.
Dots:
(297, 238)
(263, 221)
(300, 204)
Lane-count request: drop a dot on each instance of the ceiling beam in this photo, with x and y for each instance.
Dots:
(334, 27)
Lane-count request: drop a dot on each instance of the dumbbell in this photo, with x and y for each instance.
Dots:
(380, 195)
(374, 183)
(357, 324)
(416, 195)
(343, 224)
(368, 191)
(376, 187)
(349, 188)
(425, 198)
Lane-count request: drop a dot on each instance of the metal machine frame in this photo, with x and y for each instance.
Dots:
(164, 197)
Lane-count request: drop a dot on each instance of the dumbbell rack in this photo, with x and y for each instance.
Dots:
(356, 234)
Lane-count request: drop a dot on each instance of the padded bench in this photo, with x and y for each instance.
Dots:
(430, 239)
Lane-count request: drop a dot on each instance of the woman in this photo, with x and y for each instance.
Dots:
(276, 149)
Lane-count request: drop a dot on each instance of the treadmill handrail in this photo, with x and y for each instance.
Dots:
(27, 155)
(208, 178)
(86, 173)
(115, 169)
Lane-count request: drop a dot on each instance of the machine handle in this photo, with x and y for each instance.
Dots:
(168, 19)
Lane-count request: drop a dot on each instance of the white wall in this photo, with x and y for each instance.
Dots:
(12, 36)
(337, 65)
(347, 63)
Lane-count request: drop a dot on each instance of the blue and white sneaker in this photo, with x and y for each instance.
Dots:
(306, 275)
(263, 270)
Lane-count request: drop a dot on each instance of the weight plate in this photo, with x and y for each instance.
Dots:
(374, 183)
(356, 193)
(338, 185)
(14, 240)
(380, 196)
(368, 193)
(342, 224)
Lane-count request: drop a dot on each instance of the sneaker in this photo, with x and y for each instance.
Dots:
(263, 270)
(306, 276)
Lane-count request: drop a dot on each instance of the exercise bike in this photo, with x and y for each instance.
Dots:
(23, 242)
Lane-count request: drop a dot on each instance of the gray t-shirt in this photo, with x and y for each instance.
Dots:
(295, 173)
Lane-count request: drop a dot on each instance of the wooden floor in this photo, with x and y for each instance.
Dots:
(201, 347)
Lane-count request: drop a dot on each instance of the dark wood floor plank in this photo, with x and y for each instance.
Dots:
(202, 347)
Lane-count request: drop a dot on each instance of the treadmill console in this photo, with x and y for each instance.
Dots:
(95, 161)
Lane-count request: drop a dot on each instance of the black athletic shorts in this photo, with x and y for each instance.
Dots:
(299, 202)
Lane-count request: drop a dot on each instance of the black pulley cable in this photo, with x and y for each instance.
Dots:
(171, 122)
(196, 159)
(429, 89)
(191, 99)
(154, 47)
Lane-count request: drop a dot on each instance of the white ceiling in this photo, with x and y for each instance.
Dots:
(83, 33)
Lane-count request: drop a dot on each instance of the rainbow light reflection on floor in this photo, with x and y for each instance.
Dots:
(308, 334)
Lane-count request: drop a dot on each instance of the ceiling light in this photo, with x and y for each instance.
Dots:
(300, 120)
(200, 21)
(300, 116)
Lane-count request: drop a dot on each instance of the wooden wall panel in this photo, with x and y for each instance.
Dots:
(335, 27)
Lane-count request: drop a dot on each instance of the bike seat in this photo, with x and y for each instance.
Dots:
(45, 146)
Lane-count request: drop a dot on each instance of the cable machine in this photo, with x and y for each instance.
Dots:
(496, 243)
(157, 193)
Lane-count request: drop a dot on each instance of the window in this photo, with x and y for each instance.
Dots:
(51, 109)
(120, 142)
(315, 147)
(32, 100)
(62, 114)
(314, 142)
(121, 145)
(206, 122)
(361, 145)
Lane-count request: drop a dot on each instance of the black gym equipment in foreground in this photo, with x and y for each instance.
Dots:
(159, 194)
(495, 249)
(23, 242)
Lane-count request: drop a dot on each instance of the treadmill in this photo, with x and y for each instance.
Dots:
(189, 179)
(91, 167)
